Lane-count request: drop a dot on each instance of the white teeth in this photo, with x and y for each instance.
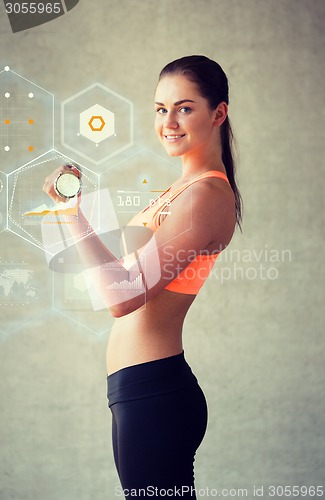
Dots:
(173, 136)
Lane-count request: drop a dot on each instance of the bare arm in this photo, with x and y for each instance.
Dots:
(200, 215)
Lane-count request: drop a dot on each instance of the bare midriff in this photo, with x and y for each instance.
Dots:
(152, 332)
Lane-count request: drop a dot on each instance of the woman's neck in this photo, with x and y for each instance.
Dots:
(196, 163)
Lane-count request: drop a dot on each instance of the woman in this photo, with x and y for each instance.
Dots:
(159, 412)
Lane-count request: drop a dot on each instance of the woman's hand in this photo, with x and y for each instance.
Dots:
(49, 184)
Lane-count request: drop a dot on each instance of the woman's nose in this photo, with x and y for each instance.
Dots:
(170, 122)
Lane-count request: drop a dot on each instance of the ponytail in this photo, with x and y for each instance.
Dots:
(227, 139)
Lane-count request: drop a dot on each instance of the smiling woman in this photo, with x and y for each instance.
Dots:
(184, 130)
(159, 412)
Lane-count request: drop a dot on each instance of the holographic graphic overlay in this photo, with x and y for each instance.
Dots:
(97, 123)
(27, 202)
(137, 182)
(71, 293)
(26, 120)
(128, 267)
(3, 201)
(142, 273)
(24, 294)
(57, 239)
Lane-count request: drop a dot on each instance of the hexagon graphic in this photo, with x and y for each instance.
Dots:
(97, 123)
(26, 120)
(100, 125)
(29, 208)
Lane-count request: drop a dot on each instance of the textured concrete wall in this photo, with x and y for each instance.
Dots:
(254, 340)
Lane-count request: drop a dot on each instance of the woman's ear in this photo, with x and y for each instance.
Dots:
(220, 114)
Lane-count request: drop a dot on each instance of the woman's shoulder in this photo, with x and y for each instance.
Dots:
(212, 201)
(214, 191)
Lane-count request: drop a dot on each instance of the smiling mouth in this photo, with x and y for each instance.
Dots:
(173, 137)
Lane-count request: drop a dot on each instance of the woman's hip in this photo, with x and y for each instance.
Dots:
(159, 403)
(152, 378)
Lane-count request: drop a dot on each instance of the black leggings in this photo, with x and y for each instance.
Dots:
(159, 419)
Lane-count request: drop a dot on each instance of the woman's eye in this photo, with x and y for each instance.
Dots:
(161, 110)
(184, 109)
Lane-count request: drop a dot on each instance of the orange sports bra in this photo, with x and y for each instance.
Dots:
(193, 276)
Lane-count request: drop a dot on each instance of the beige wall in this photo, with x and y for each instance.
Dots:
(255, 344)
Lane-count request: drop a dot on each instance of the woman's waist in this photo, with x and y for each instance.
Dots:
(134, 345)
(149, 321)
(144, 335)
(149, 379)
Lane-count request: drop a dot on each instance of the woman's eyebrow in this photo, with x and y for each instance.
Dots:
(177, 103)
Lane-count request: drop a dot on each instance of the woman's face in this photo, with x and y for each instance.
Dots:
(184, 121)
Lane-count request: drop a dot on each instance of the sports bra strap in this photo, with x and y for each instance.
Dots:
(210, 173)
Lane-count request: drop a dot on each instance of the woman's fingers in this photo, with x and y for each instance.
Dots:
(74, 169)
